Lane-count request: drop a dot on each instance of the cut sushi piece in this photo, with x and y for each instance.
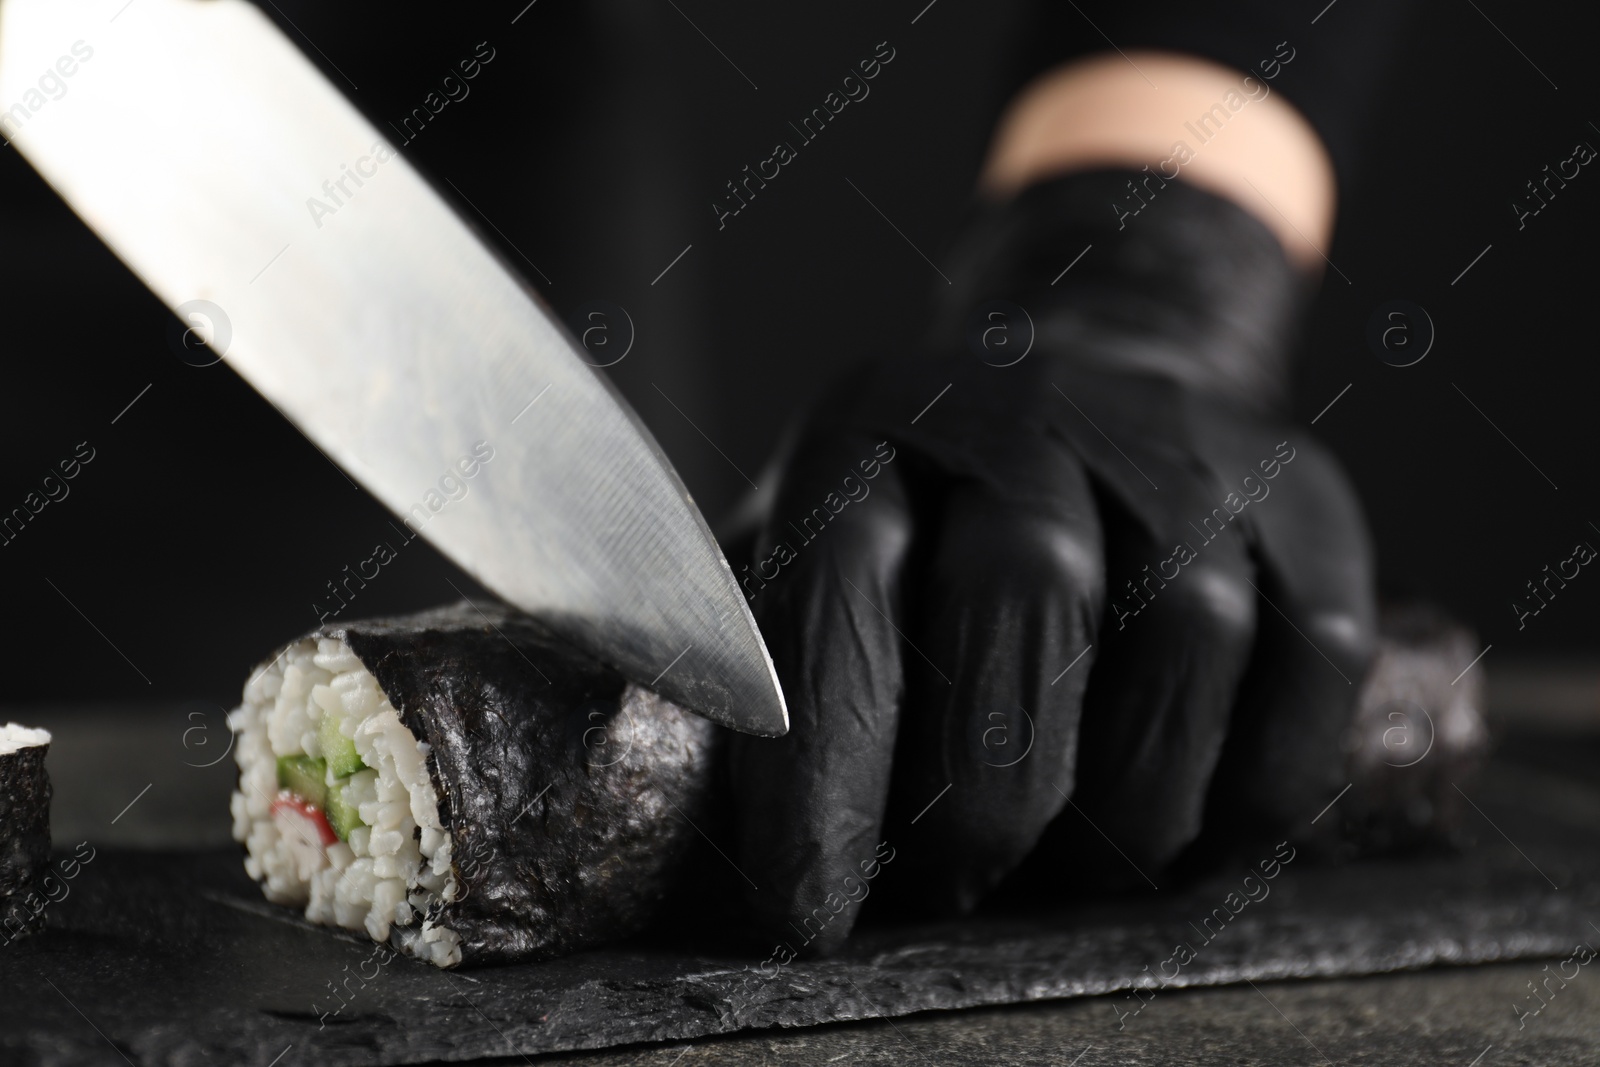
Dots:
(1419, 739)
(463, 785)
(24, 828)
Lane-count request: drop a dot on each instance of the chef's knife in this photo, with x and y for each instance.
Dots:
(223, 169)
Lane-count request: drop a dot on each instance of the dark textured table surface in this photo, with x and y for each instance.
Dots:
(202, 971)
(1451, 1017)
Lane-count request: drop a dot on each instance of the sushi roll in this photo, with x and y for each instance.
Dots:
(1419, 737)
(24, 828)
(463, 785)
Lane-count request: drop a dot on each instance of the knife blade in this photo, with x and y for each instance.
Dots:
(194, 138)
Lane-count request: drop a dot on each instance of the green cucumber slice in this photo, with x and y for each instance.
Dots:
(342, 815)
(305, 777)
(337, 749)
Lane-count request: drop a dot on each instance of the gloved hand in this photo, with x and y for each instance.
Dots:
(1104, 575)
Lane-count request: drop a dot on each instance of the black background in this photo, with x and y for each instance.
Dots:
(595, 142)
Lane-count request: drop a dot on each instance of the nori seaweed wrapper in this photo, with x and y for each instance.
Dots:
(568, 792)
(24, 839)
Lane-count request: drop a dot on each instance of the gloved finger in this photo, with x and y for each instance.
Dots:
(1012, 597)
(1173, 649)
(827, 579)
(1318, 627)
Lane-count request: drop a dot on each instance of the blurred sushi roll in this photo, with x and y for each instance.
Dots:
(463, 785)
(24, 828)
(1419, 736)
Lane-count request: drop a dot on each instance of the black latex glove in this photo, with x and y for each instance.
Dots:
(1128, 487)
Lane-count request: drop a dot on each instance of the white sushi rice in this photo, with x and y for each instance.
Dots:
(15, 738)
(387, 876)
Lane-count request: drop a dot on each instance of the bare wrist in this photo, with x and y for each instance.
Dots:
(1182, 116)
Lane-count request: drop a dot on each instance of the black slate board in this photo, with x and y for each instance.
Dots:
(176, 959)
